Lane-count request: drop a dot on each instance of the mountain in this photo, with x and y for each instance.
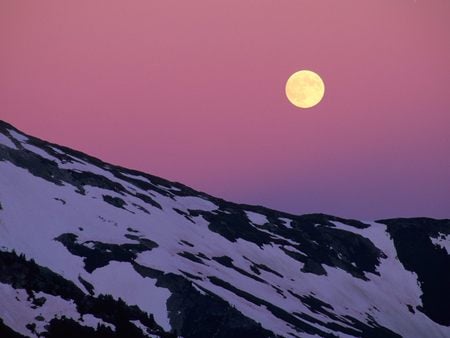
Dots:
(90, 249)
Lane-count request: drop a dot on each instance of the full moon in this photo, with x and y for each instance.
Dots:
(305, 89)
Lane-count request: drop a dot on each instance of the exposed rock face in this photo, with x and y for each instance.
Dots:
(89, 249)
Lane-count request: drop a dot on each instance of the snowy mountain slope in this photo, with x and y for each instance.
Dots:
(88, 249)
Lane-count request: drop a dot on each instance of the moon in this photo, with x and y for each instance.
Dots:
(305, 89)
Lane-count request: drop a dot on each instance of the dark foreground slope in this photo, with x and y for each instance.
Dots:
(88, 249)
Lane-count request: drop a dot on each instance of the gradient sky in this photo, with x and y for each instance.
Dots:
(193, 91)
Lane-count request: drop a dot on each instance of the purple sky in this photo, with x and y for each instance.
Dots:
(193, 91)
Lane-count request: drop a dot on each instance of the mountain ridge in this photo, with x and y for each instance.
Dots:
(214, 267)
(5, 125)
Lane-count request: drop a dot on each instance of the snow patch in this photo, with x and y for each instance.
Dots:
(137, 177)
(287, 222)
(19, 137)
(121, 280)
(92, 321)
(256, 218)
(4, 140)
(442, 241)
(197, 203)
(140, 326)
(40, 152)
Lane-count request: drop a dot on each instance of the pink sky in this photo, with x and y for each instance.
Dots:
(193, 91)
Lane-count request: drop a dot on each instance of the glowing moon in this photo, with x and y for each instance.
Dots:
(305, 89)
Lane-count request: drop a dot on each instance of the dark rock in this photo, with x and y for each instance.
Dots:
(312, 266)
